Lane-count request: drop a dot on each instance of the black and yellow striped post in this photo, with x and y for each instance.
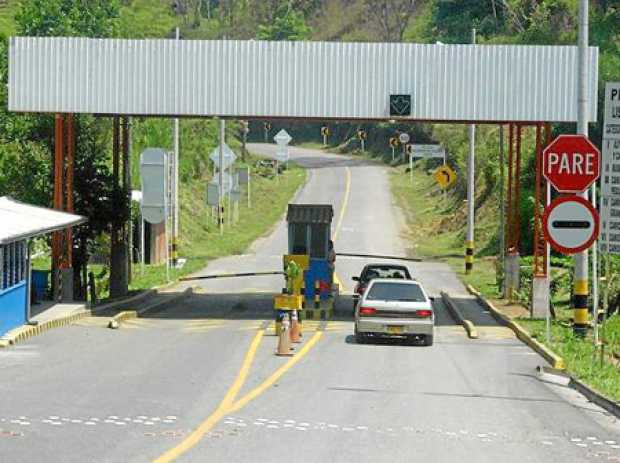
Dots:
(174, 252)
(469, 256)
(580, 307)
(317, 294)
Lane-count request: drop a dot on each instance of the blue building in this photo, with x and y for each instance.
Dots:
(19, 223)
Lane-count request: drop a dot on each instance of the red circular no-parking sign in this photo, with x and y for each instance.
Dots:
(571, 163)
(570, 224)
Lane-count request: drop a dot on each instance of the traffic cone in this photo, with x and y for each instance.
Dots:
(284, 341)
(295, 328)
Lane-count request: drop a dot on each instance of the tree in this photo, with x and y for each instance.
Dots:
(30, 138)
(390, 17)
(287, 25)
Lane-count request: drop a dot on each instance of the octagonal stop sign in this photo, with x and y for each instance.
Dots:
(571, 163)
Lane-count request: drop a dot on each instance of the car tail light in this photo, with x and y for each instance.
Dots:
(360, 289)
(367, 311)
(424, 313)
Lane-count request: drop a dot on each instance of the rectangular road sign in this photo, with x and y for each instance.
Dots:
(611, 124)
(428, 151)
(609, 240)
(610, 175)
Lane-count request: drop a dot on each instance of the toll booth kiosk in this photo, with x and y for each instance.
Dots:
(309, 231)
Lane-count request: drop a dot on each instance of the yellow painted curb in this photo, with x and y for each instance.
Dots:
(470, 328)
(25, 332)
(551, 357)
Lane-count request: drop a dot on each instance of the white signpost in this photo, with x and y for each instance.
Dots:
(282, 138)
(154, 170)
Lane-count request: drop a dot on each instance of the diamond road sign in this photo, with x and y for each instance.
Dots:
(229, 156)
(282, 138)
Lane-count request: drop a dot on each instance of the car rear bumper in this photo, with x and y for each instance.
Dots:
(395, 326)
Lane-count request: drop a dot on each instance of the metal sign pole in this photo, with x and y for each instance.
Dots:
(393, 153)
(249, 188)
(142, 244)
(175, 191)
(411, 166)
(469, 239)
(220, 215)
(580, 280)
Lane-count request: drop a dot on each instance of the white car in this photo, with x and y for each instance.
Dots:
(395, 308)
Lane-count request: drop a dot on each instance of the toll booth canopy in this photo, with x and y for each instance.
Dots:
(309, 229)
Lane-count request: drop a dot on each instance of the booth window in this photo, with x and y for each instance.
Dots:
(12, 264)
(299, 238)
(318, 241)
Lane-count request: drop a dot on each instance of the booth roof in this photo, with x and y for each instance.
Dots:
(310, 213)
(21, 221)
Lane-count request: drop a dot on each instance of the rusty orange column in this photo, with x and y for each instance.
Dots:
(70, 147)
(539, 269)
(57, 237)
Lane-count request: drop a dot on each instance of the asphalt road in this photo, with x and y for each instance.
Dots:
(198, 382)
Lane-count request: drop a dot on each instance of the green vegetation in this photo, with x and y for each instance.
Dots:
(579, 354)
(201, 239)
(435, 229)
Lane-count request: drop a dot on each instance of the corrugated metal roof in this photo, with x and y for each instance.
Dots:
(310, 213)
(296, 79)
(21, 221)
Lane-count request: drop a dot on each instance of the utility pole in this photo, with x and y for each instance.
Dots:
(175, 182)
(580, 280)
(469, 239)
(502, 206)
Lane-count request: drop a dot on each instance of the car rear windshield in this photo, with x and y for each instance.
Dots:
(386, 272)
(396, 292)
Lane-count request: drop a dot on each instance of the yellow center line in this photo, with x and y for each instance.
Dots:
(254, 393)
(221, 410)
(345, 202)
(343, 209)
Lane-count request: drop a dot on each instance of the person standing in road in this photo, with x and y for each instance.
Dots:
(331, 261)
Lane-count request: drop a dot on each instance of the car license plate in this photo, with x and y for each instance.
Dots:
(395, 329)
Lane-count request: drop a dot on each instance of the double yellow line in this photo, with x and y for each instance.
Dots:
(228, 404)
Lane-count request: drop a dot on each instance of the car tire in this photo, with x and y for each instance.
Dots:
(428, 340)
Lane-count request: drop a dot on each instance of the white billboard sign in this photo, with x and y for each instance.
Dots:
(609, 239)
(154, 179)
(611, 123)
(610, 172)
(428, 151)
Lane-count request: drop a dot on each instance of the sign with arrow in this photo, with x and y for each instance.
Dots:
(400, 105)
(445, 176)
